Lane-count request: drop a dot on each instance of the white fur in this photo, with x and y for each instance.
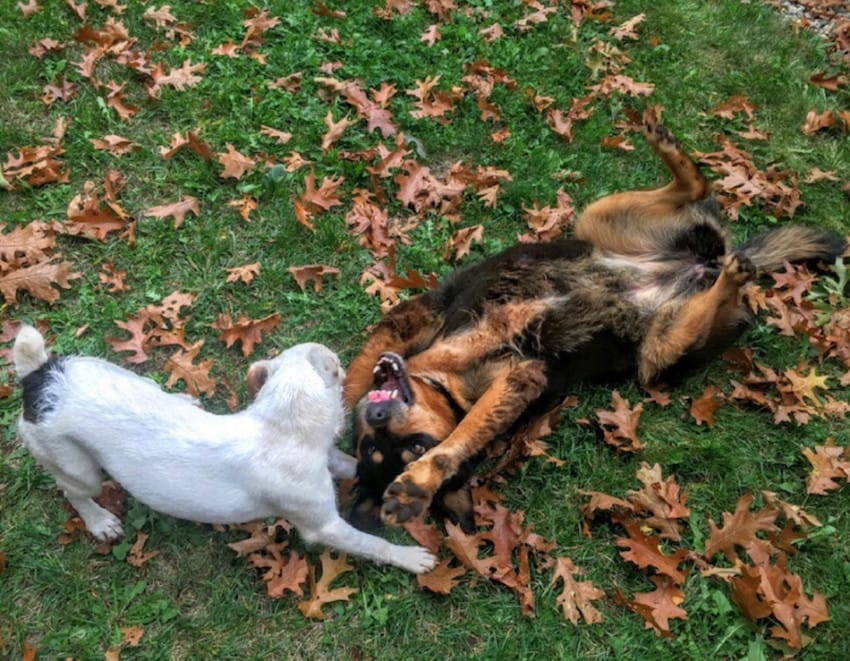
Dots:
(275, 458)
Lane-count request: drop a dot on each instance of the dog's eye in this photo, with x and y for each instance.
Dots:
(370, 448)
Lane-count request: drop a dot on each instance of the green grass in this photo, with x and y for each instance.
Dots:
(196, 599)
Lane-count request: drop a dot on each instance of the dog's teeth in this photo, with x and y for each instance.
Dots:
(394, 394)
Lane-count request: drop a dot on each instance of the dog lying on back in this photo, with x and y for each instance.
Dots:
(649, 284)
(275, 458)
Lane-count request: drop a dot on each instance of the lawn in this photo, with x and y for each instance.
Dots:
(170, 171)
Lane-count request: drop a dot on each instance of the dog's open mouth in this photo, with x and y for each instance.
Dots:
(390, 379)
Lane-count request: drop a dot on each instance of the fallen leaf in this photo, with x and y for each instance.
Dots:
(311, 273)
(321, 592)
(177, 210)
(136, 556)
(244, 330)
(442, 579)
(576, 596)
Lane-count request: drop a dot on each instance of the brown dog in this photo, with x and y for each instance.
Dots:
(649, 285)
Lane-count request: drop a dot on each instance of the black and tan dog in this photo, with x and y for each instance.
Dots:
(649, 284)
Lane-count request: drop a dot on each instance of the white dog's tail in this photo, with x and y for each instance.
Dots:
(29, 352)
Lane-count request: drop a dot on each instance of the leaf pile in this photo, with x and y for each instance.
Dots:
(749, 551)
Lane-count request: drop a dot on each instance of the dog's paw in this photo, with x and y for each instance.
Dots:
(415, 559)
(404, 500)
(107, 528)
(738, 268)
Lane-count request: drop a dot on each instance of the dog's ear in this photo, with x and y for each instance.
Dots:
(366, 514)
(257, 374)
(326, 364)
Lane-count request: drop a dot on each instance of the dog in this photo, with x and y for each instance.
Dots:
(275, 458)
(649, 285)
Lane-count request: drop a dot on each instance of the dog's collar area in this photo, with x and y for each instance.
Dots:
(457, 410)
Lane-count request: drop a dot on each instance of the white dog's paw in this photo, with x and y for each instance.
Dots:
(416, 559)
(106, 528)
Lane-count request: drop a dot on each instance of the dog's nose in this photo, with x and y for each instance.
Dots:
(378, 414)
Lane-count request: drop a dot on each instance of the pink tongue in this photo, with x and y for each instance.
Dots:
(378, 395)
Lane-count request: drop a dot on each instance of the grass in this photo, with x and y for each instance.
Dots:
(196, 599)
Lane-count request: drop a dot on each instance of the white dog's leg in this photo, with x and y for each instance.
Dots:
(341, 465)
(79, 477)
(340, 535)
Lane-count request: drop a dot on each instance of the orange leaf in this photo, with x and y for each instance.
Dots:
(442, 579)
(235, 164)
(244, 330)
(320, 592)
(196, 377)
(136, 556)
(176, 209)
(704, 406)
(576, 596)
(311, 273)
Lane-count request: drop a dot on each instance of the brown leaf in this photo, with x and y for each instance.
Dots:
(311, 273)
(645, 551)
(131, 636)
(442, 579)
(177, 210)
(38, 281)
(335, 130)
(703, 407)
(114, 144)
(576, 597)
(244, 273)
(619, 427)
(461, 242)
(817, 121)
(661, 500)
(661, 605)
(828, 465)
(235, 164)
(320, 592)
(739, 529)
(196, 377)
(136, 556)
(246, 331)
(281, 137)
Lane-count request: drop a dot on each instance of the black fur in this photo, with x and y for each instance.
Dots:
(34, 384)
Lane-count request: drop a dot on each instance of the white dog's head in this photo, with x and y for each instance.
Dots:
(301, 387)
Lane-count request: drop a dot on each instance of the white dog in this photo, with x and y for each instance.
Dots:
(275, 458)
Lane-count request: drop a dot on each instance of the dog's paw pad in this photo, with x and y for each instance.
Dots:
(739, 268)
(416, 559)
(404, 500)
(106, 529)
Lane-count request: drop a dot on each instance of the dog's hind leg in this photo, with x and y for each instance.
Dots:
(641, 222)
(408, 326)
(344, 537)
(678, 328)
(79, 477)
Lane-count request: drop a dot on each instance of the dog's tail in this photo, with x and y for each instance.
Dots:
(29, 352)
(792, 243)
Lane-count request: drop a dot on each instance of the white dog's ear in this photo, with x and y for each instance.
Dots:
(326, 364)
(258, 373)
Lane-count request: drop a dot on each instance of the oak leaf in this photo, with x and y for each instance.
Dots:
(37, 280)
(619, 427)
(177, 210)
(576, 597)
(196, 376)
(311, 273)
(114, 144)
(460, 243)
(442, 579)
(131, 636)
(320, 591)
(244, 274)
(235, 164)
(244, 330)
(136, 556)
(739, 529)
(661, 605)
(645, 551)
(828, 464)
(703, 407)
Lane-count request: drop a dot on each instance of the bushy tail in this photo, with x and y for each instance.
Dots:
(792, 243)
(29, 352)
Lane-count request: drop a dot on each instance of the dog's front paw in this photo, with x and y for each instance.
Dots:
(416, 559)
(404, 500)
(107, 528)
(739, 268)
